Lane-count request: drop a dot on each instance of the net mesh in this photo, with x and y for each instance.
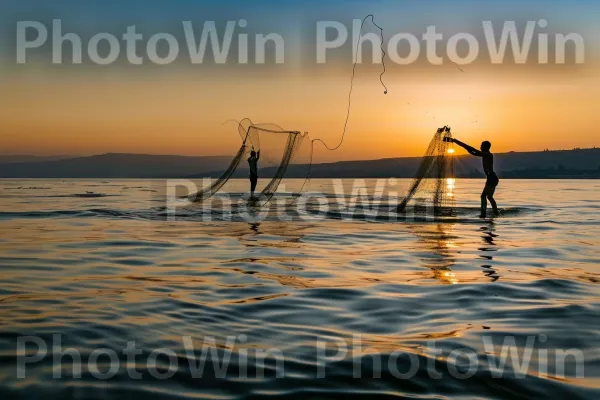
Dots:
(216, 185)
(279, 149)
(434, 181)
(283, 155)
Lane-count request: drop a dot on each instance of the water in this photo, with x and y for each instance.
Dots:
(320, 300)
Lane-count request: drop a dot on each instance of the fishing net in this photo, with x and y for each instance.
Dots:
(248, 142)
(434, 181)
(281, 152)
(284, 157)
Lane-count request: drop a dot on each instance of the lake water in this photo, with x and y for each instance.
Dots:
(316, 307)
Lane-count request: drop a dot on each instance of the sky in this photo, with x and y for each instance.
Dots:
(180, 107)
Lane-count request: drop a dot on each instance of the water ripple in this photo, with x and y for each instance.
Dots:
(389, 301)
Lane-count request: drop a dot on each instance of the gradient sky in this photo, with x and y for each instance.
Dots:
(179, 108)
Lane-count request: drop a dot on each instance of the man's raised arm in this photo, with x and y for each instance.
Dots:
(471, 150)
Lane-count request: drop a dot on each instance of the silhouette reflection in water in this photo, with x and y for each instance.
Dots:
(441, 246)
(489, 236)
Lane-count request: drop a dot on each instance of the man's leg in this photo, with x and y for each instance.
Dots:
(490, 197)
(484, 203)
(253, 182)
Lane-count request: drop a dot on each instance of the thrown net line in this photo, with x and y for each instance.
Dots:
(383, 55)
(294, 141)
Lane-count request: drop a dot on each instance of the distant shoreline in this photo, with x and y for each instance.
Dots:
(566, 164)
(95, 178)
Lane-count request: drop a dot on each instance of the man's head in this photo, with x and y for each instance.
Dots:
(252, 153)
(486, 146)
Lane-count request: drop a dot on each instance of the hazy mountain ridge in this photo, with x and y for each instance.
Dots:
(544, 164)
(23, 158)
(115, 165)
(584, 163)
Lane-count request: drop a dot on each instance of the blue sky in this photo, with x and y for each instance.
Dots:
(290, 17)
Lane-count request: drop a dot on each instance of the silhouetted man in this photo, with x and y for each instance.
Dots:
(253, 164)
(488, 168)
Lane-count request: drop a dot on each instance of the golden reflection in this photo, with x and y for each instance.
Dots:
(439, 258)
(439, 245)
(450, 186)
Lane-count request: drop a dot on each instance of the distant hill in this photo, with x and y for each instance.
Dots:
(579, 163)
(115, 165)
(584, 163)
(22, 158)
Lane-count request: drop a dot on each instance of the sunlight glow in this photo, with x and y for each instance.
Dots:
(451, 151)
(451, 185)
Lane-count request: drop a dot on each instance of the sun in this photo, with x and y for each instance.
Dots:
(451, 151)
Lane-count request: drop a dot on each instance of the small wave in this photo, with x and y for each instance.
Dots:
(93, 195)
(242, 212)
(82, 195)
(27, 188)
(502, 212)
(148, 214)
(41, 214)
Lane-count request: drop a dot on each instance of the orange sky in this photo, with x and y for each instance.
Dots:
(179, 108)
(163, 113)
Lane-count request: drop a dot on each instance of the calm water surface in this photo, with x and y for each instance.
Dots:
(412, 307)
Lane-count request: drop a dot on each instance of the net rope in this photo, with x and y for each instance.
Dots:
(250, 134)
(349, 109)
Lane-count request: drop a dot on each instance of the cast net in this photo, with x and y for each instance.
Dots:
(433, 184)
(281, 152)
